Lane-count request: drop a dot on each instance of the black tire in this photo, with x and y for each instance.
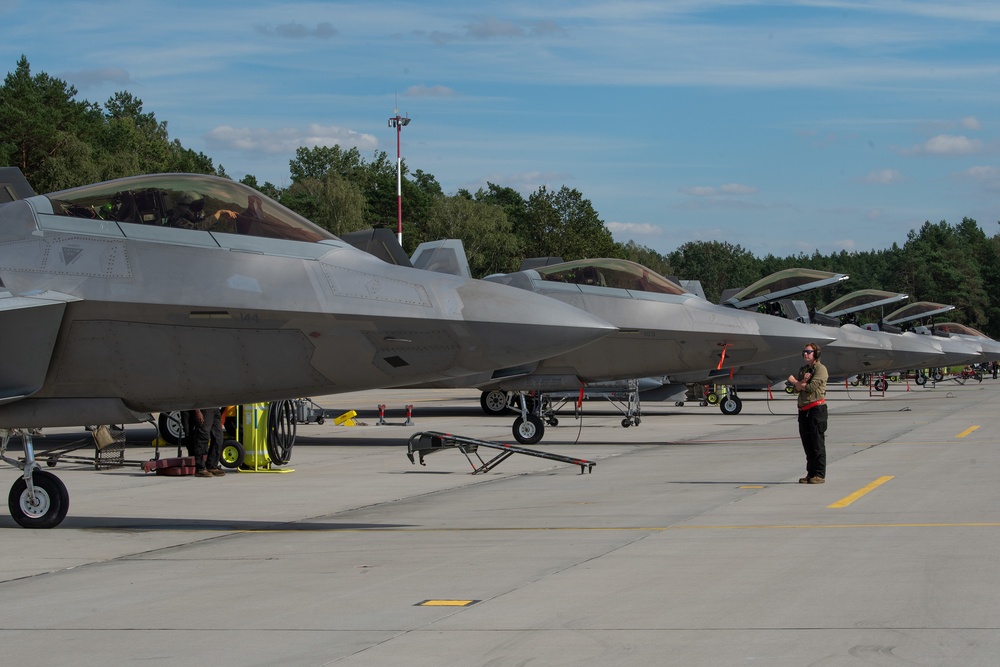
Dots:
(494, 402)
(171, 428)
(881, 385)
(232, 454)
(921, 380)
(626, 422)
(731, 405)
(938, 375)
(528, 431)
(51, 501)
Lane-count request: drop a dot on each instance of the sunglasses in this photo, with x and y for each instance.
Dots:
(808, 351)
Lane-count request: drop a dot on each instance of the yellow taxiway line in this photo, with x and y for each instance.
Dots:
(847, 500)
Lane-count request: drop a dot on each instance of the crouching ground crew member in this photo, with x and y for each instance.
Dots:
(810, 382)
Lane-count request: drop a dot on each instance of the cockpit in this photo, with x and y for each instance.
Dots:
(187, 201)
(614, 273)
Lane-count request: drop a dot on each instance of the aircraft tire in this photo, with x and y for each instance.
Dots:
(528, 431)
(731, 405)
(938, 375)
(494, 402)
(626, 422)
(171, 429)
(51, 501)
(232, 454)
(921, 380)
(881, 385)
(712, 398)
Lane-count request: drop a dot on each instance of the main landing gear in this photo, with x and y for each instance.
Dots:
(536, 410)
(38, 499)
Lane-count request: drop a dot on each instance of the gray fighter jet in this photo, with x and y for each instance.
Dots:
(179, 291)
(662, 329)
(990, 347)
(917, 318)
(852, 350)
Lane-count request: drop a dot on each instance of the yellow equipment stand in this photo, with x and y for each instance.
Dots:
(256, 458)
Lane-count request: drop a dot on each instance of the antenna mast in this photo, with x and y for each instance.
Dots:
(399, 122)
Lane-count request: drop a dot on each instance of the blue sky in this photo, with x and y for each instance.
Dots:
(781, 127)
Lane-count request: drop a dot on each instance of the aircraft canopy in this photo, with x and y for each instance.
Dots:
(607, 272)
(190, 201)
(916, 311)
(861, 300)
(782, 284)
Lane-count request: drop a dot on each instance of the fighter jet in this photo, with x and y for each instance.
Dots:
(918, 318)
(852, 349)
(662, 329)
(179, 291)
(990, 347)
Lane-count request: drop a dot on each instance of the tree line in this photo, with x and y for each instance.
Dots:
(60, 142)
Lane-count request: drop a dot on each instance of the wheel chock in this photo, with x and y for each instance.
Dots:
(171, 466)
(346, 419)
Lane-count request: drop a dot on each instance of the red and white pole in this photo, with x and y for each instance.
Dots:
(398, 122)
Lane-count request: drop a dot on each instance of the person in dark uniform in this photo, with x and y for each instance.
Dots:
(203, 431)
(810, 382)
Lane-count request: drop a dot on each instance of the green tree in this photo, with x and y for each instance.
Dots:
(46, 132)
(332, 202)
(564, 224)
(647, 257)
(939, 263)
(718, 265)
(484, 230)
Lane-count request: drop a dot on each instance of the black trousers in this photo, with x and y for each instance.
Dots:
(812, 430)
(204, 441)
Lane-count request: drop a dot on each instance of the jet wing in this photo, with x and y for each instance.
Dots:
(29, 326)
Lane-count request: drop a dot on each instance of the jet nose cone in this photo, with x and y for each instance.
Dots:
(512, 326)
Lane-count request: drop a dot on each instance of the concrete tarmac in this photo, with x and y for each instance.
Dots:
(690, 543)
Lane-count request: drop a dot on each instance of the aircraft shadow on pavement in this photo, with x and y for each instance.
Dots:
(224, 525)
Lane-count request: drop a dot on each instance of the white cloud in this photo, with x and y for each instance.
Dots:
(986, 175)
(87, 78)
(294, 30)
(884, 177)
(712, 191)
(286, 140)
(634, 229)
(429, 91)
(947, 144)
(737, 189)
(971, 123)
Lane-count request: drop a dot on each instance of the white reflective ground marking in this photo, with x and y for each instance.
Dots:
(844, 502)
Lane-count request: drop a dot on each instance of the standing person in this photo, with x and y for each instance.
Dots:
(203, 431)
(810, 382)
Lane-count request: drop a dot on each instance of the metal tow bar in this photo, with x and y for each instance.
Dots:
(428, 442)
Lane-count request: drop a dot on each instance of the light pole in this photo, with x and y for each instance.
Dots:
(399, 122)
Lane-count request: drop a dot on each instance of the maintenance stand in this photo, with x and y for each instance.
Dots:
(428, 442)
